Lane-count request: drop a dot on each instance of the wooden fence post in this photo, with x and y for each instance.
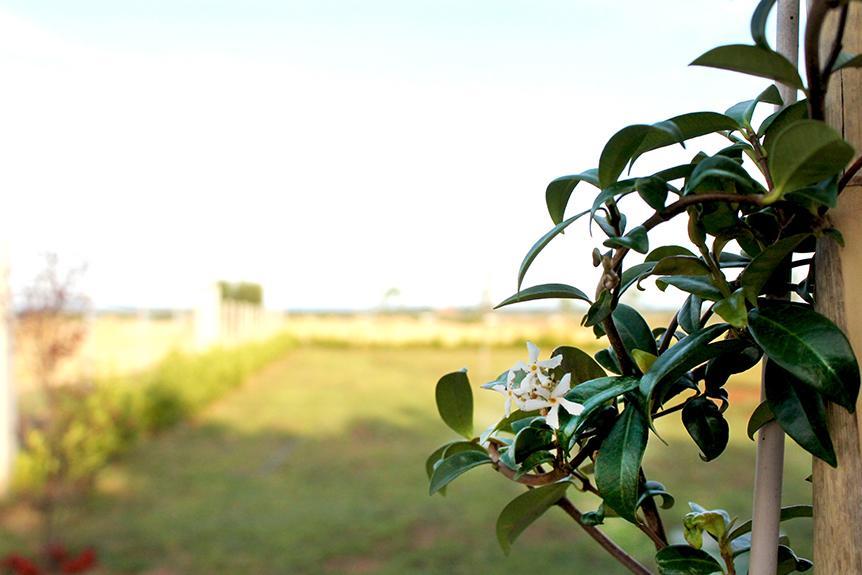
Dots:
(838, 492)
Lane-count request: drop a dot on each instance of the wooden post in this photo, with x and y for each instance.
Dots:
(838, 492)
(769, 465)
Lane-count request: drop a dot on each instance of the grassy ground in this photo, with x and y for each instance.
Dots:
(317, 466)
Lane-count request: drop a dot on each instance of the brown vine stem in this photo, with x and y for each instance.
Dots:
(667, 337)
(653, 518)
(848, 175)
(818, 79)
(607, 543)
(530, 480)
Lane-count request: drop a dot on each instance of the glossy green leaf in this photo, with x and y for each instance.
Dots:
(545, 291)
(758, 22)
(701, 286)
(624, 144)
(752, 60)
(804, 153)
(761, 415)
(681, 265)
(654, 489)
(711, 173)
(743, 111)
(678, 359)
(522, 511)
(634, 273)
(691, 125)
(689, 314)
(813, 197)
(594, 394)
(685, 560)
(608, 360)
(533, 461)
(578, 363)
(800, 411)
(560, 190)
(706, 426)
(455, 402)
(667, 251)
(433, 459)
(846, 60)
(810, 347)
(531, 439)
(777, 121)
(788, 562)
(453, 467)
(619, 461)
(754, 277)
(653, 191)
(732, 309)
(600, 309)
(787, 513)
(633, 328)
(675, 172)
(542, 242)
(636, 240)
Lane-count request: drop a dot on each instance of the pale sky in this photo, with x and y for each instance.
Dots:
(330, 149)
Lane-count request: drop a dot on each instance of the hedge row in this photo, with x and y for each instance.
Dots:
(91, 426)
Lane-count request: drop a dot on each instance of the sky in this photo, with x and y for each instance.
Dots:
(330, 150)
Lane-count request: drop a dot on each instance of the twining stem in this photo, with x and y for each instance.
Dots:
(818, 79)
(607, 544)
(667, 337)
(848, 175)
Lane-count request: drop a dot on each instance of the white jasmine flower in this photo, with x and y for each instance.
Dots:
(509, 391)
(558, 398)
(534, 368)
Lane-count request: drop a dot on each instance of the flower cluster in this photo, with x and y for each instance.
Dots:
(532, 385)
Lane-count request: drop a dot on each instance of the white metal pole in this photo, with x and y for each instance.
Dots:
(770, 440)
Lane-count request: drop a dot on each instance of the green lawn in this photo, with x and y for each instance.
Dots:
(316, 465)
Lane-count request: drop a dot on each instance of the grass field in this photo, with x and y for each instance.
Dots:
(316, 465)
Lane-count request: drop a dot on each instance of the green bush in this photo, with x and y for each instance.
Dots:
(92, 425)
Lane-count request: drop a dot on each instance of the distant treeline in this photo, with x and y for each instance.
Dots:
(241, 291)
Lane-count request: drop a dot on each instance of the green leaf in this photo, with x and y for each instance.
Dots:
(812, 197)
(681, 265)
(634, 273)
(701, 286)
(804, 153)
(712, 172)
(540, 245)
(594, 394)
(777, 121)
(522, 511)
(455, 402)
(688, 126)
(435, 457)
(633, 328)
(732, 309)
(810, 347)
(578, 363)
(653, 191)
(754, 277)
(453, 467)
(752, 60)
(533, 461)
(619, 461)
(788, 562)
(789, 512)
(689, 314)
(545, 291)
(636, 240)
(759, 417)
(560, 190)
(653, 489)
(685, 560)
(707, 426)
(625, 143)
(800, 411)
(667, 251)
(758, 22)
(531, 439)
(678, 359)
(846, 60)
(743, 111)
(600, 309)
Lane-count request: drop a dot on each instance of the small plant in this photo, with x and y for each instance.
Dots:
(575, 421)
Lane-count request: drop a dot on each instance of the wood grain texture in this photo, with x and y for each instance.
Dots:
(838, 492)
